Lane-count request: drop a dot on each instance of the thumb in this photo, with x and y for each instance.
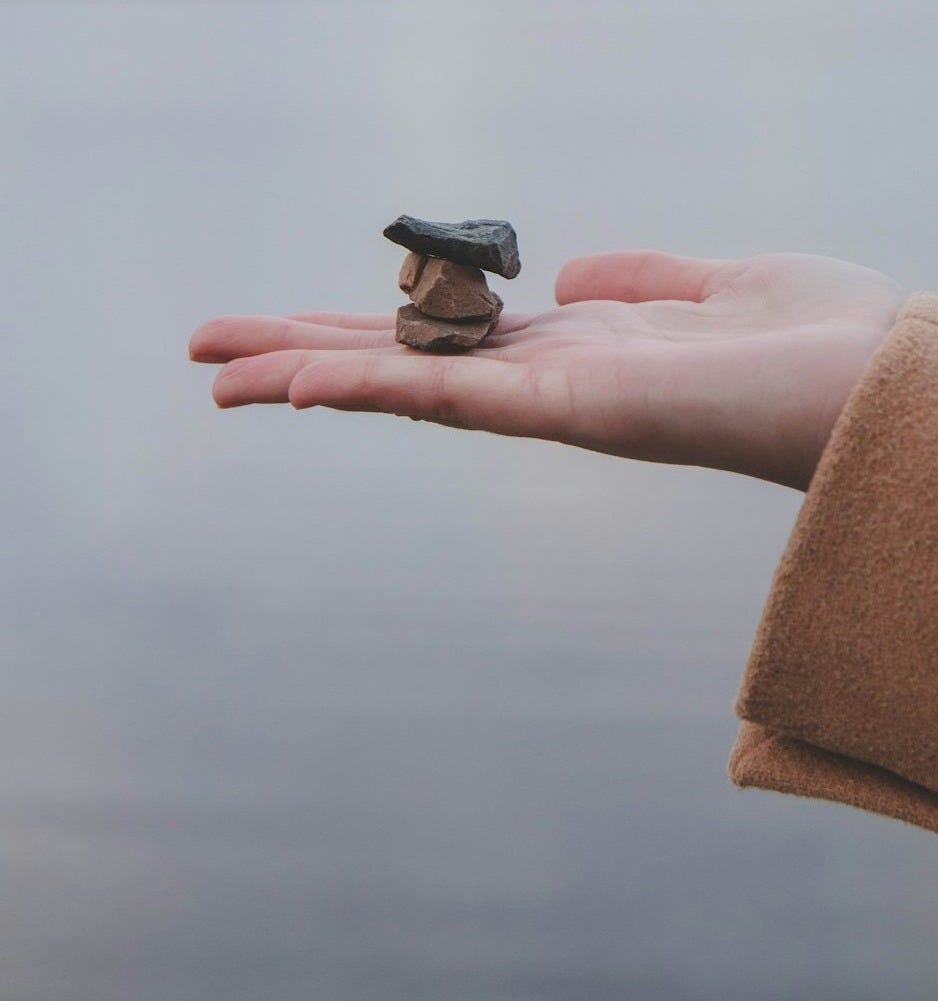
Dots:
(641, 276)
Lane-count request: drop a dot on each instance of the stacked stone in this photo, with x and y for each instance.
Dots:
(452, 309)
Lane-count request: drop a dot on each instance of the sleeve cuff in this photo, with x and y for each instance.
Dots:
(840, 695)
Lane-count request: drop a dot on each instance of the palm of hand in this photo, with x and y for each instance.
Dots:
(738, 365)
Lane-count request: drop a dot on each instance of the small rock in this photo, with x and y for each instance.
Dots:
(490, 244)
(451, 291)
(427, 333)
(410, 272)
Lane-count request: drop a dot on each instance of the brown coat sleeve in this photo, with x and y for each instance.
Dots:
(840, 696)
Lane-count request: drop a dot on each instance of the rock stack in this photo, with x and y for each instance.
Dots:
(452, 308)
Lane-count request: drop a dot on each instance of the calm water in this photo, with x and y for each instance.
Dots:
(346, 707)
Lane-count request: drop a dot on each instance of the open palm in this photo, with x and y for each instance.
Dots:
(739, 365)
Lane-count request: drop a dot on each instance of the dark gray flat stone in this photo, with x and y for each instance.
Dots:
(489, 244)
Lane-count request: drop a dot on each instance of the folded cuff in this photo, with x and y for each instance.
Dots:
(840, 695)
(767, 760)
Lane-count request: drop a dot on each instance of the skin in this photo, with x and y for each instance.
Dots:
(737, 365)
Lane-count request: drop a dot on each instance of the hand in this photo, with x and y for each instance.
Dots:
(737, 365)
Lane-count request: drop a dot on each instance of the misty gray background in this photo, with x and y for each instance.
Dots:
(346, 707)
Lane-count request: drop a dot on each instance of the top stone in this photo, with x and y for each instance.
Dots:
(489, 244)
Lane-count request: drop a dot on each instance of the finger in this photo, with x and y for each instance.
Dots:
(347, 321)
(467, 391)
(228, 337)
(262, 378)
(507, 322)
(640, 276)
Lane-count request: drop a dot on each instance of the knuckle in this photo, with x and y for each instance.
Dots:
(369, 384)
(280, 335)
(442, 400)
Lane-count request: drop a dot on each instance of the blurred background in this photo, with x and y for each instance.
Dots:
(341, 706)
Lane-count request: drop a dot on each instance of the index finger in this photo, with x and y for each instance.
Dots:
(229, 337)
(640, 276)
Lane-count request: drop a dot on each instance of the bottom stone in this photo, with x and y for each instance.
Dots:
(417, 330)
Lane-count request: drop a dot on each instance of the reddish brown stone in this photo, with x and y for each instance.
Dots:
(410, 271)
(429, 333)
(451, 291)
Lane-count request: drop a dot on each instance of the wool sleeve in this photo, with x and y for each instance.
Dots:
(839, 699)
